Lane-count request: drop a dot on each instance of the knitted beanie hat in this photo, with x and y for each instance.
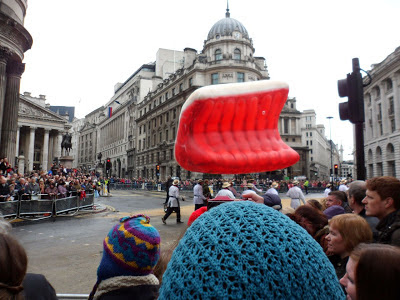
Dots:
(334, 210)
(245, 250)
(131, 248)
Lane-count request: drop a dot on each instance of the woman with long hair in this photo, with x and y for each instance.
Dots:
(373, 272)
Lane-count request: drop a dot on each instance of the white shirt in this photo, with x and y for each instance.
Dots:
(295, 193)
(326, 192)
(272, 191)
(225, 192)
(173, 196)
(198, 196)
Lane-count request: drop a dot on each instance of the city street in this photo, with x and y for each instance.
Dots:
(68, 250)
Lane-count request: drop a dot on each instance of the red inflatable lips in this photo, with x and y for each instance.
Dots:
(233, 129)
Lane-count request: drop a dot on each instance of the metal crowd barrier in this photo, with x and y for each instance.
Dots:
(40, 208)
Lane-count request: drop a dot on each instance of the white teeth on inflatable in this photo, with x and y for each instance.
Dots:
(233, 129)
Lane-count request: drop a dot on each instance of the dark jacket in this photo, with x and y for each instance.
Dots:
(139, 292)
(272, 200)
(36, 287)
(4, 189)
(389, 229)
(339, 264)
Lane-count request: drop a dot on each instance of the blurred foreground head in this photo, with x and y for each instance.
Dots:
(244, 250)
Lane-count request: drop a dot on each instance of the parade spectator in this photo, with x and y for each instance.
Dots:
(270, 200)
(42, 186)
(346, 231)
(62, 190)
(198, 198)
(168, 184)
(126, 268)
(206, 189)
(338, 198)
(295, 195)
(233, 190)
(315, 204)
(356, 194)
(309, 218)
(306, 184)
(51, 190)
(383, 201)
(225, 191)
(373, 272)
(33, 187)
(15, 283)
(4, 189)
(173, 203)
(245, 250)
(334, 210)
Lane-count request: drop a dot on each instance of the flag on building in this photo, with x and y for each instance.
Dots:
(109, 111)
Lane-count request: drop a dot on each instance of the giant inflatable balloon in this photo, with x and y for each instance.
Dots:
(233, 129)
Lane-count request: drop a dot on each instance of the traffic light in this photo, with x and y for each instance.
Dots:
(352, 87)
(336, 167)
(158, 169)
(108, 164)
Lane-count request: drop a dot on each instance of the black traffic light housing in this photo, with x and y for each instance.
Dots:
(108, 164)
(336, 167)
(352, 87)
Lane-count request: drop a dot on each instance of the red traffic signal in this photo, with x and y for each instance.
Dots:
(336, 167)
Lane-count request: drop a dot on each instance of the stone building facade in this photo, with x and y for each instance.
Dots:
(140, 133)
(314, 138)
(15, 40)
(382, 118)
(39, 133)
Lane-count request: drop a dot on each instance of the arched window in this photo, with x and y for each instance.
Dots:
(378, 153)
(218, 54)
(237, 54)
(370, 157)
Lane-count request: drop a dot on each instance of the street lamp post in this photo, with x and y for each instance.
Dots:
(330, 138)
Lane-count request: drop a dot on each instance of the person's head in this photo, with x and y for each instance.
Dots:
(239, 250)
(200, 181)
(309, 218)
(3, 180)
(382, 196)
(373, 272)
(336, 198)
(295, 182)
(13, 266)
(175, 182)
(356, 193)
(346, 231)
(274, 185)
(225, 185)
(314, 204)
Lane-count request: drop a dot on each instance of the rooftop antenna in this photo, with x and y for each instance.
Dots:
(227, 9)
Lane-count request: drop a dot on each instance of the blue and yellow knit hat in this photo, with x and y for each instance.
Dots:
(131, 248)
(245, 250)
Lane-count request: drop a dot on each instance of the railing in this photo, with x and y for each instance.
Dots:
(43, 206)
(72, 296)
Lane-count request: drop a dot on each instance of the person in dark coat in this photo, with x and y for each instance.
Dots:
(126, 268)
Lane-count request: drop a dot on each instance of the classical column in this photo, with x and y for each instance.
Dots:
(4, 56)
(17, 143)
(57, 150)
(45, 151)
(31, 148)
(11, 105)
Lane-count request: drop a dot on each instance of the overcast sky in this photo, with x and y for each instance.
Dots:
(82, 48)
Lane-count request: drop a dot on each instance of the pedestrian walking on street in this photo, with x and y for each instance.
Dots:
(173, 203)
(167, 186)
(296, 195)
(198, 197)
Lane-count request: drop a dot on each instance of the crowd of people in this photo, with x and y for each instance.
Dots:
(55, 184)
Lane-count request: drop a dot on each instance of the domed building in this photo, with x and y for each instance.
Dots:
(15, 40)
(139, 136)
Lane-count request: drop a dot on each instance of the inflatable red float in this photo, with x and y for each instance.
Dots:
(233, 129)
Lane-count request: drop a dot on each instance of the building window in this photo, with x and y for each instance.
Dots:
(310, 143)
(173, 133)
(310, 133)
(174, 114)
(389, 85)
(236, 54)
(306, 134)
(218, 54)
(391, 106)
(160, 120)
(393, 125)
(311, 158)
(167, 116)
(190, 82)
(307, 143)
(166, 135)
(180, 87)
(166, 96)
(173, 91)
(293, 139)
(240, 77)
(286, 125)
(160, 137)
(214, 78)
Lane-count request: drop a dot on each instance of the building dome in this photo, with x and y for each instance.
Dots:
(226, 26)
